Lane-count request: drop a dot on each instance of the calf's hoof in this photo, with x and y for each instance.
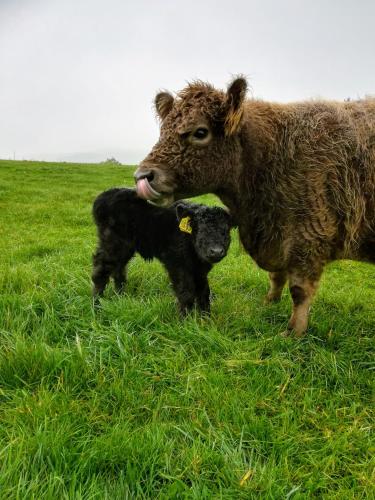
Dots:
(185, 311)
(204, 313)
(95, 301)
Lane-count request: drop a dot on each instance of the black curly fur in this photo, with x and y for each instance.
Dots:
(126, 225)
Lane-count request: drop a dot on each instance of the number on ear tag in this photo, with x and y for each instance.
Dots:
(185, 226)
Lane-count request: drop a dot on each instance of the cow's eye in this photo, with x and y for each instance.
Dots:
(201, 133)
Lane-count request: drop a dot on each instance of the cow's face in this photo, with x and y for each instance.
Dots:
(198, 140)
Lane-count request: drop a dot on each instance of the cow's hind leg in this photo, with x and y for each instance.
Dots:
(302, 290)
(277, 283)
(367, 251)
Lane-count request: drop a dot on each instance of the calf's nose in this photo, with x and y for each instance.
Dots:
(216, 252)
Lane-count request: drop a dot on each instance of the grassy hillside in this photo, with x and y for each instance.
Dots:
(131, 402)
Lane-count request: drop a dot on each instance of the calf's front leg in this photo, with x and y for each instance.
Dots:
(184, 287)
(202, 291)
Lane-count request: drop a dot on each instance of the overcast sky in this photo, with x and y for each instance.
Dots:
(78, 77)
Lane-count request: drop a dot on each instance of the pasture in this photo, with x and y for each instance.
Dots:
(131, 402)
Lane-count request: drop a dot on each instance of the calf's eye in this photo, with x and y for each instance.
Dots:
(201, 133)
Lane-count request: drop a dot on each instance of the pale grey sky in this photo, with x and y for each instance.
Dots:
(77, 77)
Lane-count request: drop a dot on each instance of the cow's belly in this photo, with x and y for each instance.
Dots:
(271, 255)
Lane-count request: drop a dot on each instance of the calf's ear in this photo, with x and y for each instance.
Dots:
(232, 221)
(236, 94)
(183, 210)
(163, 104)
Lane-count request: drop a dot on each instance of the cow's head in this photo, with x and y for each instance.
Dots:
(199, 142)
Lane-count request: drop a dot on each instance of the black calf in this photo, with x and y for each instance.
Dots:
(187, 238)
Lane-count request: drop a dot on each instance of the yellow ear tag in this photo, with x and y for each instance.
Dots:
(185, 226)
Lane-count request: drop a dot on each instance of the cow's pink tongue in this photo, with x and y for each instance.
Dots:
(142, 189)
(145, 191)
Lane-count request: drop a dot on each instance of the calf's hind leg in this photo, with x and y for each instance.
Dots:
(119, 272)
(102, 269)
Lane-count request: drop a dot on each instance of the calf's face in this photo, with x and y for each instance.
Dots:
(198, 144)
(209, 228)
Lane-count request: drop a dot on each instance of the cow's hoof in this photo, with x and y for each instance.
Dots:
(271, 299)
(290, 332)
(286, 333)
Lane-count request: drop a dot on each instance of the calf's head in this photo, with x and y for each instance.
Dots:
(199, 144)
(209, 228)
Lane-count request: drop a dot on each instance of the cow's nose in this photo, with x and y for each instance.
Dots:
(143, 174)
(216, 252)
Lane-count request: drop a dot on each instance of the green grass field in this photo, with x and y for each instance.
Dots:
(131, 402)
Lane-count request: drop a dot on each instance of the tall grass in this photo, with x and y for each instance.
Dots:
(131, 402)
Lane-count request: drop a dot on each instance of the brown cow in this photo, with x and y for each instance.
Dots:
(299, 178)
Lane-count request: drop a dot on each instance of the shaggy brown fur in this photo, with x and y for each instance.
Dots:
(299, 178)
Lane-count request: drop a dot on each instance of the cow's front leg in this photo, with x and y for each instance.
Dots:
(302, 289)
(277, 283)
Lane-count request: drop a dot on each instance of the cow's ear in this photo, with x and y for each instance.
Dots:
(163, 104)
(236, 94)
